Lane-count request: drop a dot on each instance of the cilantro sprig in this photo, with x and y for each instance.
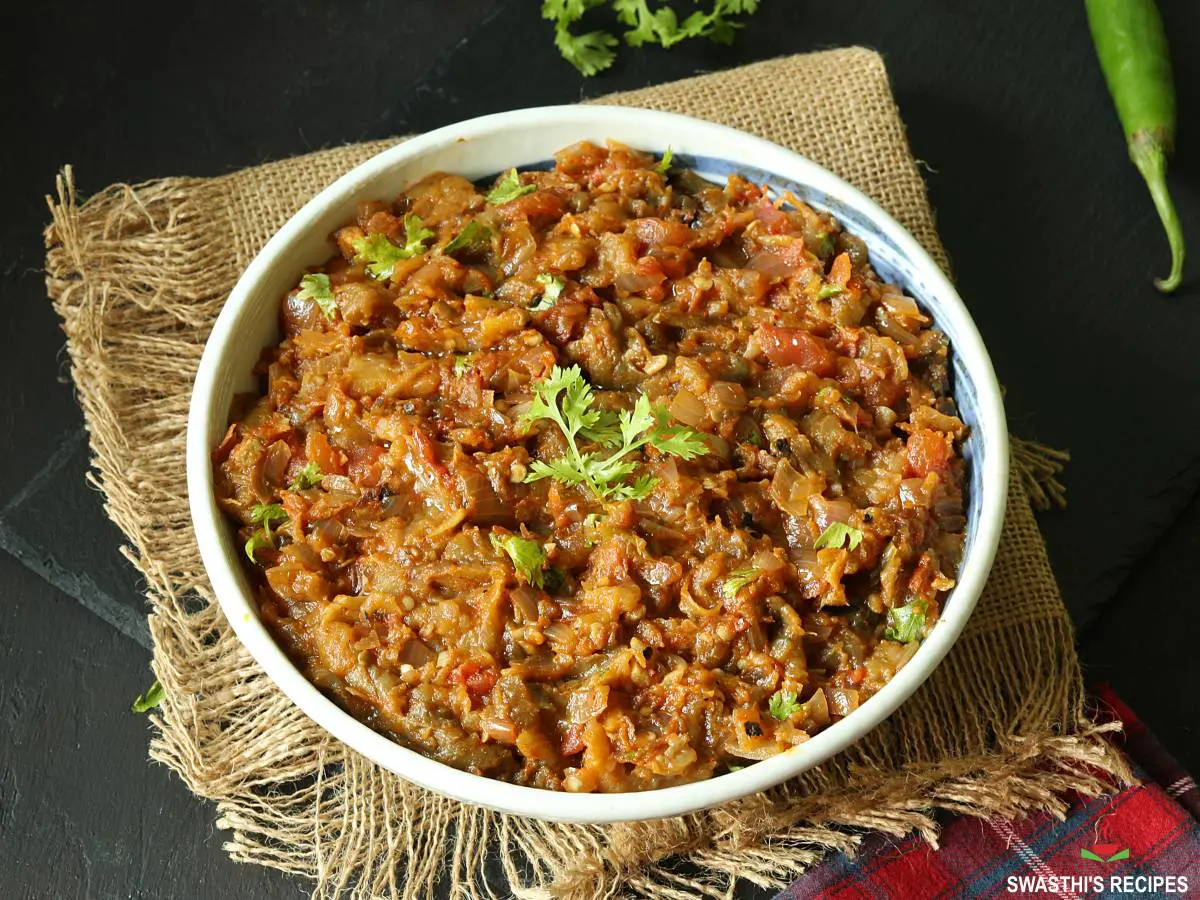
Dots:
(594, 51)
(318, 289)
(149, 700)
(509, 188)
(838, 535)
(463, 362)
(528, 557)
(472, 235)
(381, 256)
(265, 516)
(735, 581)
(783, 705)
(308, 477)
(565, 398)
(906, 623)
(552, 288)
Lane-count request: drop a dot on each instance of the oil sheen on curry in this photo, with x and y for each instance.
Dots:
(601, 478)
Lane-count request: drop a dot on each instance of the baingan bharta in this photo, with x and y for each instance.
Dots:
(600, 478)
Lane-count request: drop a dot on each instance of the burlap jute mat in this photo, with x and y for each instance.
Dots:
(139, 273)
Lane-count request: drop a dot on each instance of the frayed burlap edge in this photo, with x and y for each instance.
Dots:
(138, 274)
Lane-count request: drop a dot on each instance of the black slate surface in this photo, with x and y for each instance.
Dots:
(1052, 238)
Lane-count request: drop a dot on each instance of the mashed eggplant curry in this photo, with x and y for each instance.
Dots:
(602, 478)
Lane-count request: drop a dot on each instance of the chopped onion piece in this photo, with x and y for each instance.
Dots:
(842, 701)
(689, 409)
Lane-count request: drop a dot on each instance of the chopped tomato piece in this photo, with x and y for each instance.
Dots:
(364, 463)
(318, 449)
(775, 219)
(795, 347)
(478, 679)
(928, 451)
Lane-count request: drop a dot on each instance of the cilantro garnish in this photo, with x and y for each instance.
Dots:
(664, 164)
(906, 623)
(593, 51)
(565, 398)
(318, 289)
(380, 255)
(735, 581)
(149, 700)
(528, 557)
(830, 290)
(308, 477)
(462, 362)
(554, 287)
(473, 234)
(265, 515)
(837, 535)
(509, 188)
(589, 53)
(783, 705)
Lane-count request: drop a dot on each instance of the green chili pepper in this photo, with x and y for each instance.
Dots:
(1132, 48)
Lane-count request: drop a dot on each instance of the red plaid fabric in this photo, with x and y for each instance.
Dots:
(1142, 842)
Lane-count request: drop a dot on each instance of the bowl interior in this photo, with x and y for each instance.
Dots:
(528, 139)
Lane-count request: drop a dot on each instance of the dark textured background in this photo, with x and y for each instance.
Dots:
(1051, 234)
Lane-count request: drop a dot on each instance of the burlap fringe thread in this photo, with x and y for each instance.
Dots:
(999, 730)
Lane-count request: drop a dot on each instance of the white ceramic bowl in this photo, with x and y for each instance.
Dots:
(486, 146)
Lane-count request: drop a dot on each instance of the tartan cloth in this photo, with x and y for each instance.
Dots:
(1141, 842)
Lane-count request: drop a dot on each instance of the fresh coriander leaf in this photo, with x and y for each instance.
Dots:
(733, 767)
(470, 236)
(462, 362)
(565, 398)
(906, 623)
(830, 290)
(592, 520)
(735, 581)
(267, 514)
(509, 188)
(677, 440)
(639, 488)
(567, 11)
(755, 437)
(646, 27)
(553, 288)
(381, 256)
(837, 535)
(563, 470)
(260, 540)
(664, 164)
(528, 557)
(149, 700)
(318, 289)
(590, 53)
(416, 235)
(783, 705)
(826, 244)
(308, 477)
